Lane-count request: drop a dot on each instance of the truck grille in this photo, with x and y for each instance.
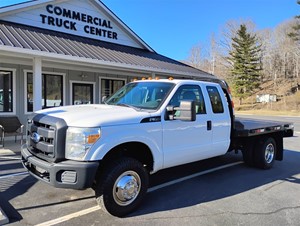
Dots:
(46, 137)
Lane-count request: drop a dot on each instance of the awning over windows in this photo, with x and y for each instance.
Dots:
(42, 42)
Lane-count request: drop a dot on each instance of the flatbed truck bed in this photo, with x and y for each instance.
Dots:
(246, 127)
(144, 127)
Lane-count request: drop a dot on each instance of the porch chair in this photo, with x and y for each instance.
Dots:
(10, 126)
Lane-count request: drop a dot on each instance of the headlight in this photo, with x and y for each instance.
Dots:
(79, 141)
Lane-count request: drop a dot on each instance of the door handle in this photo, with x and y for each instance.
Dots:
(208, 125)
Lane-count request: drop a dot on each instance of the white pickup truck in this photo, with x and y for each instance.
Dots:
(144, 127)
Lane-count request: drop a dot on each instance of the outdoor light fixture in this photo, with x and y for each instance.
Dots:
(83, 76)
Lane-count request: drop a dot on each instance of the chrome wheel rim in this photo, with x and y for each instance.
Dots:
(126, 188)
(269, 153)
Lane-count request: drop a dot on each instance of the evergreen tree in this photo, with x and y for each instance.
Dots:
(245, 59)
(295, 34)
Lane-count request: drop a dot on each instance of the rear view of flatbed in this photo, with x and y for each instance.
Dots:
(261, 141)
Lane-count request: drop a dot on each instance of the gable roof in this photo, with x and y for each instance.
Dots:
(28, 9)
(33, 41)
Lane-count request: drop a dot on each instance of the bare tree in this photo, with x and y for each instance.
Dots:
(280, 55)
(195, 56)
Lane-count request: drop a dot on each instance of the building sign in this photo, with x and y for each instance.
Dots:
(88, 19)
(62, 17)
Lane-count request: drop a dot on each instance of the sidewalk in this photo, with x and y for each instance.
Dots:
(11, 148)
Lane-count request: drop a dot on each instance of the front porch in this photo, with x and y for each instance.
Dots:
(11, 147)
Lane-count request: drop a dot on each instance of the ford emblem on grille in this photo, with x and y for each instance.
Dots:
(35, 137)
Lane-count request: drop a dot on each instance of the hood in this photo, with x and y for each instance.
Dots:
(96, 115)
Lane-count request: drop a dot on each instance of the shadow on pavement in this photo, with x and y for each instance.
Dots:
(14, 181)
(219, 185)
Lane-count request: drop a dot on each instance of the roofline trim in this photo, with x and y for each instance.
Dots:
(11, 8)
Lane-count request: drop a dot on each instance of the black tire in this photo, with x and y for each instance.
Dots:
(265, 153)
(129, 174)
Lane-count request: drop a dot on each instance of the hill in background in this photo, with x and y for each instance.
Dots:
(287, 98)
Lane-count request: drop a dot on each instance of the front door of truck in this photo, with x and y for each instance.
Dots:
(185, 141)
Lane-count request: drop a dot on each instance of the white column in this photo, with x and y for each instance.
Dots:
(153, 75)
(37, 84)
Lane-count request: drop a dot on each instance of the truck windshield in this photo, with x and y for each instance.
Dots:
(141, 95)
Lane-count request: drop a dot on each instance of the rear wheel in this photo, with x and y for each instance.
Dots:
(265, 153)
(122, 187)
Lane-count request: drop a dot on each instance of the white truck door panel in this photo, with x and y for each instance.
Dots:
(185, 141)
(221, 124)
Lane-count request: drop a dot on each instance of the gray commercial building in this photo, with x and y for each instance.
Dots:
(65, 52)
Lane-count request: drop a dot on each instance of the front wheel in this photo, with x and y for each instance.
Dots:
(122, 187)
(265, 153)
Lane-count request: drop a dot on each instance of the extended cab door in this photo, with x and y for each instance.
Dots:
(187, 141)
(220, 119)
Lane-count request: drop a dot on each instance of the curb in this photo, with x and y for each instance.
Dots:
(3, 218)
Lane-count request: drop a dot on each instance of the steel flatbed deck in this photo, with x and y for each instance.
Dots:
(245, 127)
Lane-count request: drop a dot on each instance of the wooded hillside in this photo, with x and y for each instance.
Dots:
(254, 61)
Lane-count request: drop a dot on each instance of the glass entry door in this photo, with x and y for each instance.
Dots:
(82, 93)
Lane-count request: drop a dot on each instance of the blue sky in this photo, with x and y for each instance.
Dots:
(173, 27)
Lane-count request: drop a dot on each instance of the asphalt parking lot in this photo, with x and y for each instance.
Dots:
(218, 191)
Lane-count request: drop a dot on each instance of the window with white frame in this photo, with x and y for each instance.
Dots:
(83, 93)
(52, 90)
(6, 91)
(110, 86)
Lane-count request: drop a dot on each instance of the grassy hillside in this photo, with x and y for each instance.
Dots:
(288, 99)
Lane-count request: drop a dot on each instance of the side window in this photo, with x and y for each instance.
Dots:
(52, 91)
(215, 99)
(189, 92)
(6, 91)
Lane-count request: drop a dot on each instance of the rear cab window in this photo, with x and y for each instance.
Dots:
(215, 99)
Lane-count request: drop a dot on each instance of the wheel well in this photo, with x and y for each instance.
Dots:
(135, 150)
(248, 143)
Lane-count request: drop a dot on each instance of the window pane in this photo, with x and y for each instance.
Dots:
(189, 92)
(82, 93)
(29, 92)
(52, 91)
(6, 98)
(110, 86)
(215, 99)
